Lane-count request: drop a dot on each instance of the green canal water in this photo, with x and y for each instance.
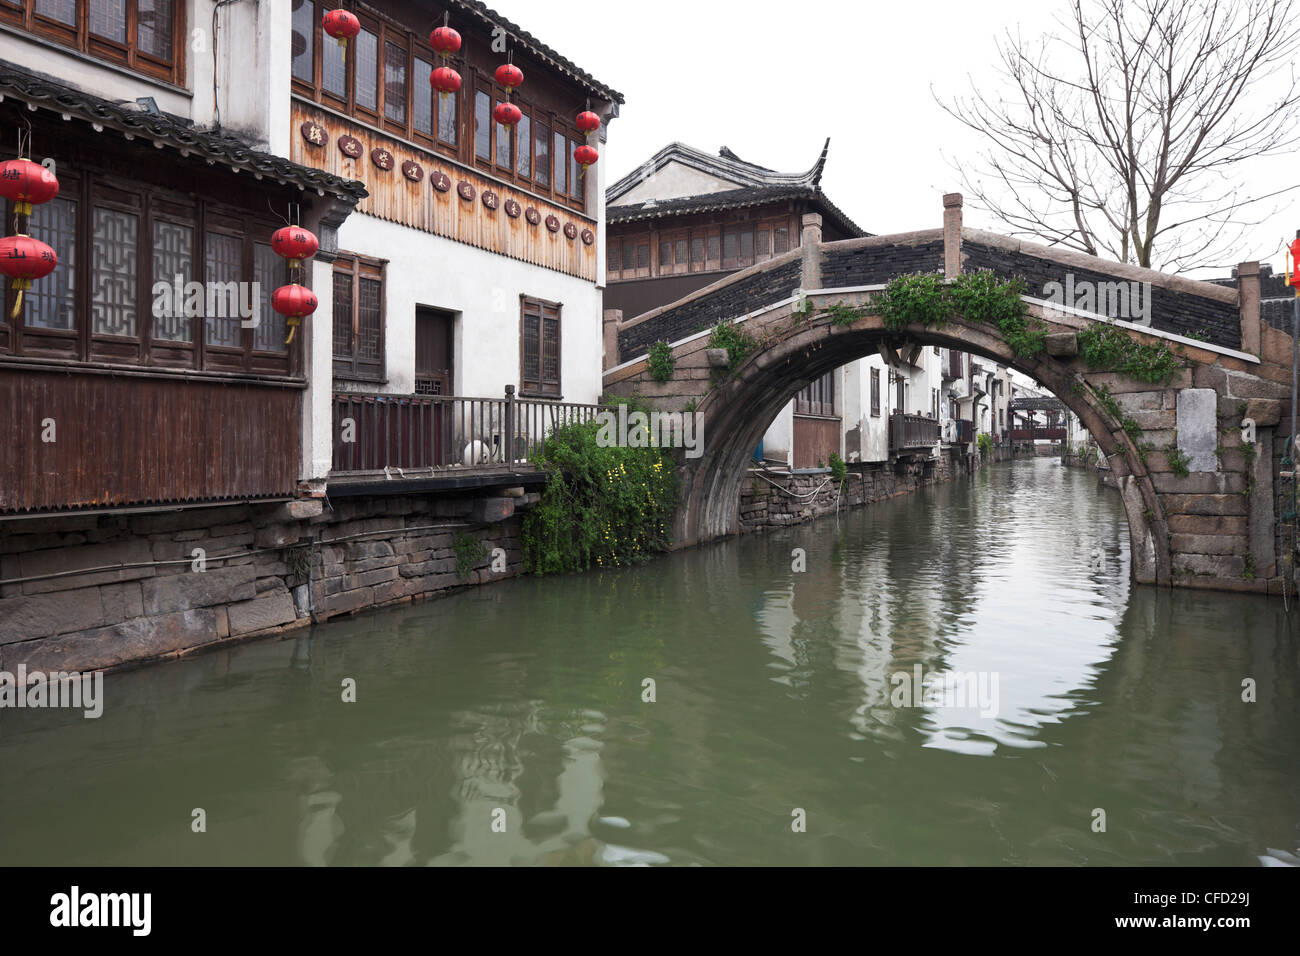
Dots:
(519, 707)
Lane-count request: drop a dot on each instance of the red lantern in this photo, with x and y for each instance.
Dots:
(507, 114)
(445, 41)
(293, 302)
(509, 76)
(295, 244)
(586, 156)
(27, 184)
(445, 80)
(588, 122)
(341, 25)
(24, 259)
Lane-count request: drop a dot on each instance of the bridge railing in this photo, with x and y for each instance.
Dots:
(912, 432)
(373, 432)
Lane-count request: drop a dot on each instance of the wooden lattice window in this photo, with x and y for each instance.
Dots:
(358, 326)
(539, 347)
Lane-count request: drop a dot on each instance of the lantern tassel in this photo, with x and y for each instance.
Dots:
(293, 328)
(18, 304)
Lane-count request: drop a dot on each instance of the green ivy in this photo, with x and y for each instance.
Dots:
(661, 361)
(1178, 461)
(926, 299)
(469, 552)
(602, 507)
(736, 340)
(1109, 348)
(842, 314)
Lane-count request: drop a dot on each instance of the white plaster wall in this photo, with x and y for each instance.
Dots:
(318, 353)
(778, 441)
(673, 181)
(483, 289)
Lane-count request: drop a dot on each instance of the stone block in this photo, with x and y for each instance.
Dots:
(268, 610)
(1208, 543)
(1198, 432)
(1265, 412)
(277, 536)
(1062, 343)
(1210, 565)
(138, 640)
(300, 510)
(30, 616)
(56, 560)
(492, 510)
(345, 602)
(178, 592)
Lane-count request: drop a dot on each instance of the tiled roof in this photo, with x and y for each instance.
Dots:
(726, 166)
(729, 199)
(539, 49)
(164, 129)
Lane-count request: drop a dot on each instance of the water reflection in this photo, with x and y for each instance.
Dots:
(507, 726)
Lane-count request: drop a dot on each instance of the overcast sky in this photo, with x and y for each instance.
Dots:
(772, 80)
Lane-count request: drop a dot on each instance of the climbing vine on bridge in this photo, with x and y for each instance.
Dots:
(736, 340)
(928, 299)
(603, 506)
(1109, 348)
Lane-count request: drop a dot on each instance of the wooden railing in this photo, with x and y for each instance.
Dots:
(909, 432)
(375, 432)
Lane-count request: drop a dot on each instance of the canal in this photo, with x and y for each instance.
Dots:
(780, 730)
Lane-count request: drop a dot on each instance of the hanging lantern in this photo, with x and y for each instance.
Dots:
(507, 114)
(1292, 259)
(587, 122)
(445, 41)
(24, 259)
(27, 184)
(295, 244)
(341, 25)
(509, 76)
(293, 302)
(586, 156)
(445, 80)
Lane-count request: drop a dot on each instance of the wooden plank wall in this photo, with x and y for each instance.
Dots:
(395, 198)
(123, 440)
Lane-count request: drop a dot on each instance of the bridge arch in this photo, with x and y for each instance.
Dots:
(737, 411)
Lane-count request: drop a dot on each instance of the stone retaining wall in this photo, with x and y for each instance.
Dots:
(255, 580)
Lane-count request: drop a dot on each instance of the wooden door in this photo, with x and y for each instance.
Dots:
(434, 355)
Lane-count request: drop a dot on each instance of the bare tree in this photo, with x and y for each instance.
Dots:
(1125, 133)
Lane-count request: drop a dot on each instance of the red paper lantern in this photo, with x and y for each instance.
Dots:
(341, 25)
(293, 302)
(509, 76)
(507, 114)
(27, 184)
(1293, 257)
(588, 122)
(586, 156)
(295, 244)
(445, 80)
(445, 41)
(24, 259)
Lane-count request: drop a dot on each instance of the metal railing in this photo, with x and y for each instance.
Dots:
(374, 432)
(907, 432)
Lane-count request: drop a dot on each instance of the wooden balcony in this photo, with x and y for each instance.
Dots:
(81, 438)
(403, 436)
(912, 432)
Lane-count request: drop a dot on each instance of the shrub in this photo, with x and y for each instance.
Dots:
(839, 470)
(985, 442)
(1109, 348)
(736, 340)
(661, 361)
(601, 506)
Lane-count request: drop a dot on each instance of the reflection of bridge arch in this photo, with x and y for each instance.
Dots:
(798, 346)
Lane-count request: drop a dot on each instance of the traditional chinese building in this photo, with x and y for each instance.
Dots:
(149, 389)
(686, 219)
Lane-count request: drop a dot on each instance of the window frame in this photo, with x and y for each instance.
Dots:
(353, 367)
(22, 13)
(875, 393)
(91, 189)
(542, 390)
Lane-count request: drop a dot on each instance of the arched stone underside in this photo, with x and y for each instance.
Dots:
(795, 349)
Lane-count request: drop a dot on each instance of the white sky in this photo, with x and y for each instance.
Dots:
(772, 80)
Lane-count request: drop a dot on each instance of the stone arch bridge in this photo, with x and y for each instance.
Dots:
(1214, 527)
